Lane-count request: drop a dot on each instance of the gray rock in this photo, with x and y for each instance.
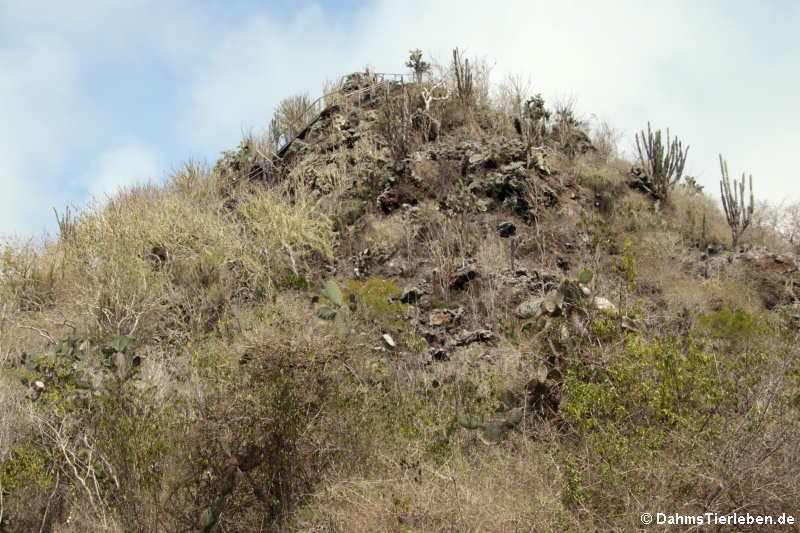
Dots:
(514, 416)
(463, 276)
(466, 338)
(389, 340)
(411, 295)
(604, 304)
(529, 309)
(506, 229)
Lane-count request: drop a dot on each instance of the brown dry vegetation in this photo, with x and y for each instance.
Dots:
(175, 360)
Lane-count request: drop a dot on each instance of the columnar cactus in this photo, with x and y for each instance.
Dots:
(737, 211)
(662, 161)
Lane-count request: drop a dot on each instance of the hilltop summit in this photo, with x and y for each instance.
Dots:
(406, 307)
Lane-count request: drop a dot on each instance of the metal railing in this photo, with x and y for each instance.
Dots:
(312, 113)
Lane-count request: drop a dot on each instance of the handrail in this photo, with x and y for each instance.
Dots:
(380, 78)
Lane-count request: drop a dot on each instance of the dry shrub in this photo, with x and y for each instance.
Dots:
(134, 258)
(633, 212)
(512, 94)
(768, 228)
(689, 297)
(283, 234)
(700, 297)
(516, 487)
(388, 233)
(607, 184)
(657, 251)
(152, 260)
(567, 129)
(698, 217)
(790, 225)
(605, 138)
(31, 276)
(470, 109)
(487, 297)
(290, 116)
(449, 242)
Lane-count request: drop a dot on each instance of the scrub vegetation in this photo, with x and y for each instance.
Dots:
(446, 306)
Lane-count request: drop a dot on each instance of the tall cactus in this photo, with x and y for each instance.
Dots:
(663, 162)
(737, 211)
(463, 76)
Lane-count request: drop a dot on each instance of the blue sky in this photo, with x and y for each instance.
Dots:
(100, 94)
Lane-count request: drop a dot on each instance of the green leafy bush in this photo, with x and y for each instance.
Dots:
(378, 300)
(639, 407)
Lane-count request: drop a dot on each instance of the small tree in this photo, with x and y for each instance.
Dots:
(533, 125)
(416, 64)
(663, 162)
(513, 93)
(789, 227)
(737, 212)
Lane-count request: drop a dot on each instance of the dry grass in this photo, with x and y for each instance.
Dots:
(152, 260)
(392, 232)
(514, 487)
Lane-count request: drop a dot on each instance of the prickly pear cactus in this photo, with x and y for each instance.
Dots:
(75, 365)
(514, 416)
(469, 421)
(326, 313)
(337, 311)
(494, 432)
(333, 293)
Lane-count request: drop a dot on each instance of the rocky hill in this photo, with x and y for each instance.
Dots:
(408, 308)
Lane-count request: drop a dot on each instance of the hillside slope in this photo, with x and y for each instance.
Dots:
(412, 310)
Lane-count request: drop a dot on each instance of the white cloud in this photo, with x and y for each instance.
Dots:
(45, 114)
(252, 67)
(122, 166)
(37, 88)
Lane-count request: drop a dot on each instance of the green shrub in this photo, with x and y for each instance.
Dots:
(738, 329)
(25, 465)
(378, 300)
(638, 408)
(291, 281)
